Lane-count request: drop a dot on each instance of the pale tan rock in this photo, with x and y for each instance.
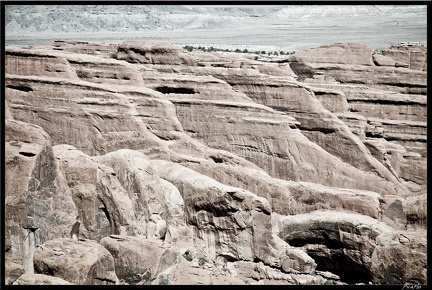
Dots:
(211, 205)
(138, 260)
(12, 271)
(324, 130)
(296, 156)
(332, 100)
(85, 47)
(114, 138)
(40, 279)
(186, 273)
(344, 53)
(39, 189)
(252, 140)
(8, 114)
(414, 56)
(141, 182)
(290, 197)
(37, 63)
(153, 53)
(326, 235)
(399, 258)
(379, 77)
(382, 60)
(415, 208)
(297, 260)
(104, 205)
(407, 166)
(83, 262)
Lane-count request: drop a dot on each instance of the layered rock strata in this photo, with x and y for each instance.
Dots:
(215, 164)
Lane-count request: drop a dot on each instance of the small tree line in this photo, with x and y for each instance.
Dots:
(237, 50)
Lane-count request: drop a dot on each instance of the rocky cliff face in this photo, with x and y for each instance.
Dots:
(305, 170)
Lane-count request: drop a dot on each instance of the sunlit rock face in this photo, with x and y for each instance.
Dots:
(299, 170)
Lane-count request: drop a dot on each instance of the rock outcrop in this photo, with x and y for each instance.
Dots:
(226, 169)
(79, 262)
(40, 279)
(138, 260)
(403, 254)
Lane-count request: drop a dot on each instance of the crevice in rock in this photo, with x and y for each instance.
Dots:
(216, 159)
(175, 90)
(27, 154)
(373, 134)
(20, 88)
(228, 258)
(104, 280)
(107, 215)
(318, 129)
(386, 102)
(418, 138)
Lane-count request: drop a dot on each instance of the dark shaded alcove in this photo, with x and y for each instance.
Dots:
(349, 271)
(175, 90)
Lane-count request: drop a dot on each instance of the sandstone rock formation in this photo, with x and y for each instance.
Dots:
(138, 260)
(404, 253)
(79, 262)
(40, 279)
(226, 169)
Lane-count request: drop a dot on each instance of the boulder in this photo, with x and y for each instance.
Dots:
(138, 260)
(12, 271)
(83, 262)
(382, 60)
(297, 261)
(40, 279)
(400, 257)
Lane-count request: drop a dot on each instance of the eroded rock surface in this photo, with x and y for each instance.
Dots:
(79, 262)
(40, 279)
(403, 254)
(138, 260)
(303, 170)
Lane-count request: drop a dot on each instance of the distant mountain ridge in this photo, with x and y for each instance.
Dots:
(22, 19)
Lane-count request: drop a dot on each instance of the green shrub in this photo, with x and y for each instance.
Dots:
(202, 261)
(188, 256)
(188, 47)
(328, 282)
(164, 281)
